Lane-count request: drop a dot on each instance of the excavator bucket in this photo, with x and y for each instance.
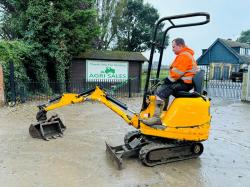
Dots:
(47, 129)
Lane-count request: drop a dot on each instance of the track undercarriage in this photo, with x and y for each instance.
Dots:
(153, 150)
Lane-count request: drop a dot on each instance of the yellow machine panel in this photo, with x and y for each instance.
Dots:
(187, 112)
(187, 119)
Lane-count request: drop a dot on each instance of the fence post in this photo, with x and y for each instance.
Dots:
(206, 77)
(12, 81)
(245, 92)
(2, 97)
(22, 94)
(248, 83)
(129, 87)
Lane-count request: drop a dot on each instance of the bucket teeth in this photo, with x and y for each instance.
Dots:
(47, 129)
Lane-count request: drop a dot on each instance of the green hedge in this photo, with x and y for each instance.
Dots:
(16, 51)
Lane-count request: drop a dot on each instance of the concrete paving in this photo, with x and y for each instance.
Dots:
(79, 159)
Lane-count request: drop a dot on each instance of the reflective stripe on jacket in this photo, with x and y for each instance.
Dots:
(184, 66)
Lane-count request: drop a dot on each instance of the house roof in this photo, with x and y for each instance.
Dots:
(112, 55)
(232, 43)
(229, 44)
(246, 58)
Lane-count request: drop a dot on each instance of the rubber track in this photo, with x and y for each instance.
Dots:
(161, 148)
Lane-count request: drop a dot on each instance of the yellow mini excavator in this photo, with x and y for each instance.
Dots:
(185, 124)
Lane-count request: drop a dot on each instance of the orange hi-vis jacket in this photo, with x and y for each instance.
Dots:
(184, 66)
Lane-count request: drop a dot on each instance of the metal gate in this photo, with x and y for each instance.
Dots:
(224, 89)
(221, 86)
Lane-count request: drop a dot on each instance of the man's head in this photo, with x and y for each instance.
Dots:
(177, 45)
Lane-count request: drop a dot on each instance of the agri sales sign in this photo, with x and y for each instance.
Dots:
(106, 70)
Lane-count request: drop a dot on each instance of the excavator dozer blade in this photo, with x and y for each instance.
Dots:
(51, 128)
(115, 154)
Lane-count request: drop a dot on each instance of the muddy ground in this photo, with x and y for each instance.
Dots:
(79, 159)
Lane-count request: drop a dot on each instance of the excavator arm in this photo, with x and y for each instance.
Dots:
(60, 101)
(47, 128)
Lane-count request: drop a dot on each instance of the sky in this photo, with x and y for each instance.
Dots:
(228, 18)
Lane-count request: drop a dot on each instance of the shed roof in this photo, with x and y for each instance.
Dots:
(113, 55)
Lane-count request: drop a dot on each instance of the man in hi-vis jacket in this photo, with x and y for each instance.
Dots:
(181, 72)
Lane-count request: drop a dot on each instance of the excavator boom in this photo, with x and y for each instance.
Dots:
(53, 127)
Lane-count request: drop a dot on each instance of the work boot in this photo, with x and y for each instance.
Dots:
(156, 118)
(166, 101)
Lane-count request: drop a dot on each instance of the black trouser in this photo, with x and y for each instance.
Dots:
(169, 88)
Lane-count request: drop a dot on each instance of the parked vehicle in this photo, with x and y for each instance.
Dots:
(238, 76)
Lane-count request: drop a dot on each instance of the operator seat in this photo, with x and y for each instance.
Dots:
(198, 81)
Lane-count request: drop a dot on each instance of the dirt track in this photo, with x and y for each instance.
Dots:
(79, 159)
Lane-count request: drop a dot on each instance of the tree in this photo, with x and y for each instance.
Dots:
(244, 37)
(109, 13)
(57, 30)
(136, 26)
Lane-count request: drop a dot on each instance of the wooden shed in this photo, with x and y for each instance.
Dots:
(112, 69)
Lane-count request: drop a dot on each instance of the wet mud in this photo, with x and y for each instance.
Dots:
(79, 158)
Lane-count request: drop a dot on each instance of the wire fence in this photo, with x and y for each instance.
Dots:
(31, 91)
(39, 91)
